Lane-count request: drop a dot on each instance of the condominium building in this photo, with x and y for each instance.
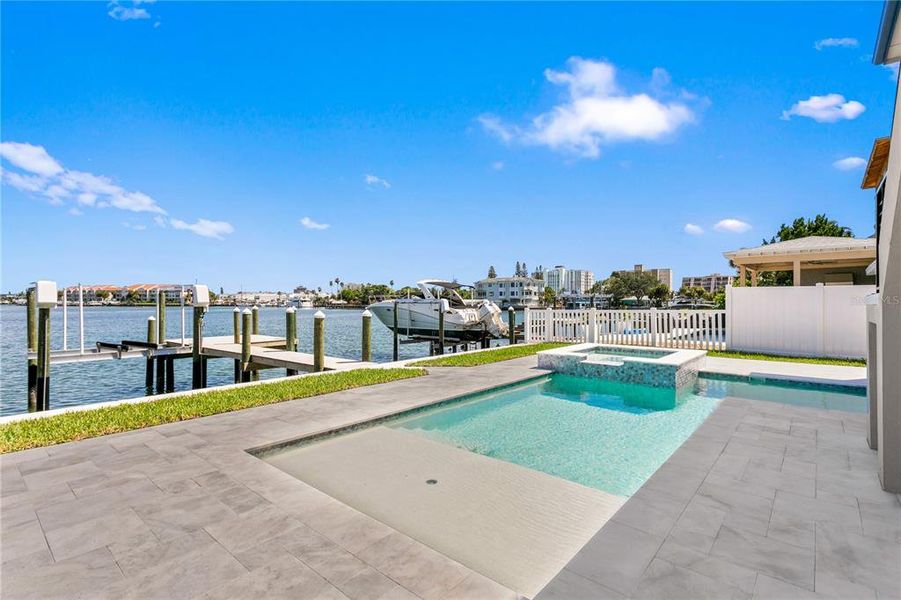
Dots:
(711, 283)
(569, 281)
(664, 276)
(510, 291)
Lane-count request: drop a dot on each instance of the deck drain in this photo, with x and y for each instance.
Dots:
(431, 481)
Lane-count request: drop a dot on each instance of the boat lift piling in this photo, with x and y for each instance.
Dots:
(32, 346)
(291, 334)
(366, 337)
(236, 337)
(148, 366)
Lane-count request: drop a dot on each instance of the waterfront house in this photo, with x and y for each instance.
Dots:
(517, 292)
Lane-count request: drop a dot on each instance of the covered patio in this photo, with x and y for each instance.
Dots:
(811, 260)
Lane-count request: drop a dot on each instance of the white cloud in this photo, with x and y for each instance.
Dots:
(309, 223)
(692, 229)
(845, 42)
(498, 165)
(33, 159)
(204, 227)
(732, 226)
(850, 163)
(374, 180)
(825, 109)
(596, 111)
(44, 176)
(134, 226)
(122, 13)
(892, 68)
(494, 126)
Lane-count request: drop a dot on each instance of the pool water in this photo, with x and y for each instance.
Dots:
(607, 435)
(632, 352)
(844, 398)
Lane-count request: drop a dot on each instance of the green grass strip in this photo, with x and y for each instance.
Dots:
(842, 362)
(80, 425)
(474, 359)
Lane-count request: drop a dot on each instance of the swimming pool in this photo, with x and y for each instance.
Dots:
(603, 434)
(811, 395)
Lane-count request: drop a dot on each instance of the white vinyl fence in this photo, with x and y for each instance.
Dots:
(820, 320)
(802, 321)
(698, 329)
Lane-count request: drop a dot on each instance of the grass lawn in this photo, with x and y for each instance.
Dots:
(843, 362)
(474, 359)
(68, 427)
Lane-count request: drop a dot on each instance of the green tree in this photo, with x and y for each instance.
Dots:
(596, 290)
(659, 295)
(625, 284)
(820, 225)
(719, 300)
(491, 272)
(549, 297)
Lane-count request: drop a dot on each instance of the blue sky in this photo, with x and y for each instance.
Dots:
(261, 146)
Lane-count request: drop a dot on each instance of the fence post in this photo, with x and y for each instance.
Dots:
(728, 324)
(527, 324)
(319, 341)
(511, 324)
(593, 325)
(654, 327)
(366, 354)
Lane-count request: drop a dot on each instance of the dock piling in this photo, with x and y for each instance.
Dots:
(236, 327)
(256, 320)
(440, 326)
(161, 367)
(396, 345)
(43, 367)
(151, 339)
(170, 374)
(319, 341)
(32, 346)
(197, 371)
(366, 351)
(291, 334)
(245, 344)
(511, 324)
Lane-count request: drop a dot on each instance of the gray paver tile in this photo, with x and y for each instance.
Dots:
(286, 577)
(616, 556)
(83, 576)
(783, 561)
(242, 532)
(711, 566)
(869, 562)
(122, 525)
(572, 586)
(664, 581)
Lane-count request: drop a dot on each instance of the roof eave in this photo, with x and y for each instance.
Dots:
(886, 28)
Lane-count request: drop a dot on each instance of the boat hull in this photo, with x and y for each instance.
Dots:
(417, 318)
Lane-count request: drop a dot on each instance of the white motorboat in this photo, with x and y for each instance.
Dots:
(464, 320)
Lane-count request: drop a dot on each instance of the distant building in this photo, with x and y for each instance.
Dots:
(568, 281)
(261, 298)
(711, 283)
(140, 292)
(510, 291)
(664, 276)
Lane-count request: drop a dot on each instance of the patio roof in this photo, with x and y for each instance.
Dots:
(807, 248)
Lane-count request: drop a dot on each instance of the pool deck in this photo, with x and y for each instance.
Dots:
(764, 500)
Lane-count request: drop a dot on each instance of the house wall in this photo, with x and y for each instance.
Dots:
(858, 275)
(816, 320)
(888, 334)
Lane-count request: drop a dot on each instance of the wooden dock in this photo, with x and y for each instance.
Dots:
(266, 351)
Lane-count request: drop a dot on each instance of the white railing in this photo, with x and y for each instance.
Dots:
(697, 329)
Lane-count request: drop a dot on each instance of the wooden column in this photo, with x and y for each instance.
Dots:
(366, 350)
(291, 334)
(796, 274)
(319, 341)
